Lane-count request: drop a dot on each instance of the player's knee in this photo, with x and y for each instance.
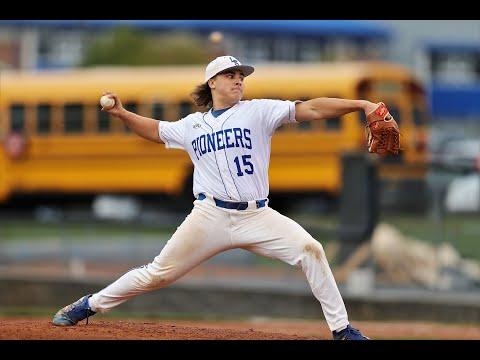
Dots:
(315, 249)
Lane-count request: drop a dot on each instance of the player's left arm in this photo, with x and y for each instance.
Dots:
(327, 108)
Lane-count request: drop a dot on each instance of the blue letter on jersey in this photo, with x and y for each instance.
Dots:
(211, 142)
(219, 137)
(194, 145)
(248, 141)
(203, 146)
(227, 138)
(238, 136)
(220, 140)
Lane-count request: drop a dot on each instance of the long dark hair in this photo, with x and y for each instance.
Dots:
(202, 95)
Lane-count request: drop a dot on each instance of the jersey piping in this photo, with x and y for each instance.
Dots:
(228, 165)
(216, 162)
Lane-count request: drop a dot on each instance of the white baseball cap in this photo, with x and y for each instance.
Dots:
(222, 63)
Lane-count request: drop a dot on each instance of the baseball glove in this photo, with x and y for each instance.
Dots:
(382, 132)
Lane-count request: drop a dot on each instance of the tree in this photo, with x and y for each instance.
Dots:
(132, 47)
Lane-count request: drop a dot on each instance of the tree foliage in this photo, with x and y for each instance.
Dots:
(132, 47)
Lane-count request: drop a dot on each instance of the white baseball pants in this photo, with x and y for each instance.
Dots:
(209, 230)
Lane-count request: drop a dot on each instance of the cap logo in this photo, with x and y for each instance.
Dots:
(234, 61)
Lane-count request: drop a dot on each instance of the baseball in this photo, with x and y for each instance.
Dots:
(107, 102)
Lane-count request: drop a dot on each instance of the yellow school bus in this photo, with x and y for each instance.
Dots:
(55, 139)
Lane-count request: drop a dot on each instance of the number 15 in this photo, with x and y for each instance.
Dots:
(246, 163)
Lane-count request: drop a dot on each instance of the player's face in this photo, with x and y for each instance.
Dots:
(229, 85)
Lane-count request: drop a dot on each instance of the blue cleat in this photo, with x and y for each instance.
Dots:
(349, 333)
(71, 314)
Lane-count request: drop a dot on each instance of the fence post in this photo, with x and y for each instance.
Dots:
(359, 202)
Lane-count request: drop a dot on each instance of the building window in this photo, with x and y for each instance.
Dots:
(259, 49)
(284, 49)
(60, 49)
(309, 50)
(455, 68)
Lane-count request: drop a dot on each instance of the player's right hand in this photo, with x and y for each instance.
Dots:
(117, 108)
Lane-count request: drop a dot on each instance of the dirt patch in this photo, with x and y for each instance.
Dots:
(23, 328)
(312, 249)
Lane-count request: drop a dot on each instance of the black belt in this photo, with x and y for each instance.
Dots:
(242, 205)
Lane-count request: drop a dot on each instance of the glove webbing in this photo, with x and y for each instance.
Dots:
(368, 134)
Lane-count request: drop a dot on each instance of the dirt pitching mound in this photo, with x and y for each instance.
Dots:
(25, 328)
(35, 329)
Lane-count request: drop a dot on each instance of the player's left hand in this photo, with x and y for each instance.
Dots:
(382, 132)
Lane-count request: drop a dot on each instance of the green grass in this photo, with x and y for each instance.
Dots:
(11, 230)
(461, 231)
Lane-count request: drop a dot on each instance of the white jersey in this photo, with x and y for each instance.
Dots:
(231, 152)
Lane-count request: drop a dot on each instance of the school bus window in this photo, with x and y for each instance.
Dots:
(17, 117)
(388, 87)
(362, 118)
(158, 111)
(419, 116)
(130, 106)
(363, 89)
(333, 123)
(395, 112)
(103, 121)
(287, 127)
(304, 126)
(73, 118)
(185, 108)
(196, 108)
(44, 124)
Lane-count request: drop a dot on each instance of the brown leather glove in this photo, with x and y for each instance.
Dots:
(382, 132)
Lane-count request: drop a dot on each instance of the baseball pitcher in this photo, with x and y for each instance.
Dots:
(229, 146)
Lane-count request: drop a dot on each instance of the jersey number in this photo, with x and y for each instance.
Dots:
(248, 166)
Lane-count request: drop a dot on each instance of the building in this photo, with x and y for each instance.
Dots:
(40, 44)
(445, 55)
